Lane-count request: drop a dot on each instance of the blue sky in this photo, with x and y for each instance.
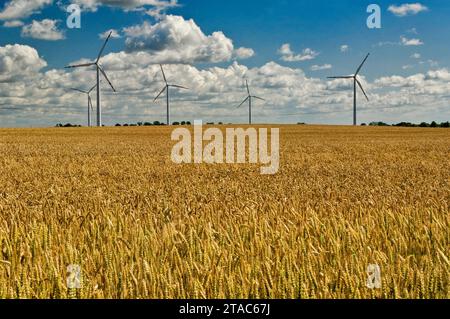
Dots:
(406, 76)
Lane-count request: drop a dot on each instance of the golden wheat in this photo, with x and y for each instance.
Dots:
(111, 201)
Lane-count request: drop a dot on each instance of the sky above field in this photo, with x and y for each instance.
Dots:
(285, 49)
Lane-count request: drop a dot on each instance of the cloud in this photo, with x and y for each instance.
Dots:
(159, 11)
(114, 34)
(44, 98)
(19, 61)
(403, 41)
(416, 56)
(321, 67)
(13, 24)
(18, 9)
(158, 5)
(244, 53)
(407, 9)
(407, 67)
(43, 30)
(344, 48)
(410, 42)
(288, 55)
(176, 40)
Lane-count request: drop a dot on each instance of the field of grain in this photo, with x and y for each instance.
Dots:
(139, 226)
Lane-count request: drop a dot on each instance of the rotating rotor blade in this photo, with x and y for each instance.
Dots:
(162, 91)
(340, 77)
(92, 88)
(179, 86)
(248, 90)
(361, 87)
(104, 74)
(78, 65)
(78, 90)
(103, 47)
(359, 69)
(164, 75)
(243, 102)
(259, 98)
(90, 103)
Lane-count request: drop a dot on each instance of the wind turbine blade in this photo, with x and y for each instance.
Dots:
(79, 65)
(81, 91)
(104, 74)
(248, 90)
(162, 91)
(179, 86)
(361, 87)
(259, 98)
(340, 77)
(359, 69)
(243, 102)
(92, 88)
(90, 103)
(164, 75)
(103, 47)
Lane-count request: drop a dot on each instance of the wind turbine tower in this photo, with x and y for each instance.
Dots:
(355, 82)
(249, 99)
(99, 70)
(167, 90)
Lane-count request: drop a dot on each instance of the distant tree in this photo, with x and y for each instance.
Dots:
(139, 123)
(188, 123)
(424, 124)
(118, 124)
(378, 124)
(445, 124)
(220, 123)
(176, 123)
(147, 124)
(210, 123)
(405, 124)
(133, 124)
(125, 124)
(363, 124)
(433, 124)
(183, 122)
(301, 123)
(156, 123)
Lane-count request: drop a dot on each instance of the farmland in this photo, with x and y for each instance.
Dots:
(111, 201)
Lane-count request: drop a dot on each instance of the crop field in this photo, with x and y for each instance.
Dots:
(139, 226)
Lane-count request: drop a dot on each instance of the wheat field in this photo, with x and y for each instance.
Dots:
(111, 201)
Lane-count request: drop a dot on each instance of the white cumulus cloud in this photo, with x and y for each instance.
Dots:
(411, 42)
(321, 67)
(114, 34)
(176, 40)
(46, 29)
(19, 61)
(344, 48)
(289, 56)
(18, 9)
(407, 9)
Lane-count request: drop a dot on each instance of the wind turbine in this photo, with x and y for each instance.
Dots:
(88, 93)
(249, 99)
(355, 81)
(166, 88)
(99, 69)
